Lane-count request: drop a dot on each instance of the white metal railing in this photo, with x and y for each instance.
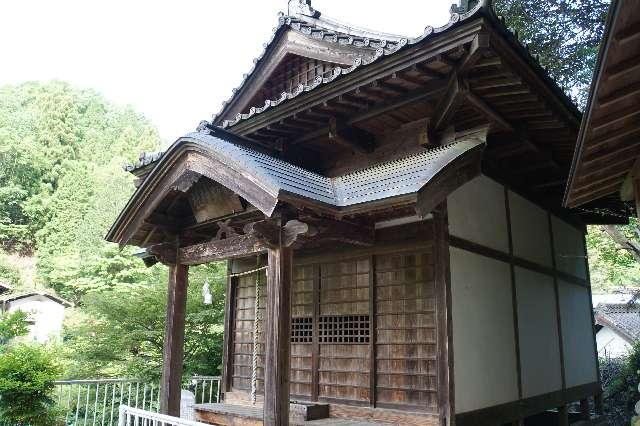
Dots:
(206, 389)
(129, 416)
(96, 402)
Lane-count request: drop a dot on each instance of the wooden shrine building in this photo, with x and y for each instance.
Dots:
(404, 196)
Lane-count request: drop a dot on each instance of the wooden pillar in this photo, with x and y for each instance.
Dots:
(277, 337)
(563, 415)
(446, 391)
(229, 317)
(172, 357)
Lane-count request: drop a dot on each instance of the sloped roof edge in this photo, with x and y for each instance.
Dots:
(272, 177)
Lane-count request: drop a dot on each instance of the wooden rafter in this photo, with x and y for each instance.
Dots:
(350, 137)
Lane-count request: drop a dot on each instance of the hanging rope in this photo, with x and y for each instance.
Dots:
(256, 331)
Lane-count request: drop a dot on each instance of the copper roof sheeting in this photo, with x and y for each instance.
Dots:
(609, 138)
(274, 180)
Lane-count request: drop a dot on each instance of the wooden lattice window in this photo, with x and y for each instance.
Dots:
(302, 330)
(344, 329)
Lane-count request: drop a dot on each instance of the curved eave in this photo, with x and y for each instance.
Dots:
(183, 157)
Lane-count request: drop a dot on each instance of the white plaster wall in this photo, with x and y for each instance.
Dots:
(46, 314)
(577, 334)
(477, 213)
(530, 230)
(569, 247)
(610, 344)
(485, 368)
(537, 333)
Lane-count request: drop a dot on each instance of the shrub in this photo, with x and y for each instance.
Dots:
(13, 324)
(27, 372)
(620, 378)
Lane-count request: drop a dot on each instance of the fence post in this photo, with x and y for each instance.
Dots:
(121, 416)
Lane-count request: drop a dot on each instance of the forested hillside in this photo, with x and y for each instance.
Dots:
(61, 186)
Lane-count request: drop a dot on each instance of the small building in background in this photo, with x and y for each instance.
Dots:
(618, 328)
(45, 313)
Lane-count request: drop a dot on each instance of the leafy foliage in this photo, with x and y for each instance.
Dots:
(120, 331)
(27, 372)
(55, 141)
(12, 324)
(565, 34)
(620, 378)
(610, 264)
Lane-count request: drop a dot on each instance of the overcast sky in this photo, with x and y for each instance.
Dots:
(174, 61)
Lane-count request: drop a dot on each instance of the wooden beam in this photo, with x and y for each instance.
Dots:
(620, 95)
(479, 46)
(430, 90)
(625, 67)
(351, 137)
(449, 103)
(173, 345)
(277, 337)
(228, 248)
(487, 111)
(615, 117)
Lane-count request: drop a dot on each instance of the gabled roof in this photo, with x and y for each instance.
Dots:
(311, 24)
(264, 181)
(332, 31)
(623, 318)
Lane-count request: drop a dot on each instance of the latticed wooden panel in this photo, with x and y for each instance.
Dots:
(301, 330)
(406, 372)
(343, 362)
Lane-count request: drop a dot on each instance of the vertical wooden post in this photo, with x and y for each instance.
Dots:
(563, 415)
(174, 340)
(446, 391)
(584, 409)
(277, 337)
(229, 317)
(372, 335)
(315, 346)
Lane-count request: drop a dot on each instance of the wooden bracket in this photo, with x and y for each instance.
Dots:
(479, 46)
(274, 235)
(165, 253)
(456, 93)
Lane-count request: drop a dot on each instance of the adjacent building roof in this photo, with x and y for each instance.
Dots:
(609, 138)
(623, 318)
(13, 297)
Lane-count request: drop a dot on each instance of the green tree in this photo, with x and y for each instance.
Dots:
(565, 34)
(49, 131)
(120, 330)
(27, 372)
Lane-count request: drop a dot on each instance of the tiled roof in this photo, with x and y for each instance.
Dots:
(145, 159)
(622, 317)
(384, 45)
(325, 29)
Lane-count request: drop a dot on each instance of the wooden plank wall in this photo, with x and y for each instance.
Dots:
(243, 333)
(406, 363)
(394, 366)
